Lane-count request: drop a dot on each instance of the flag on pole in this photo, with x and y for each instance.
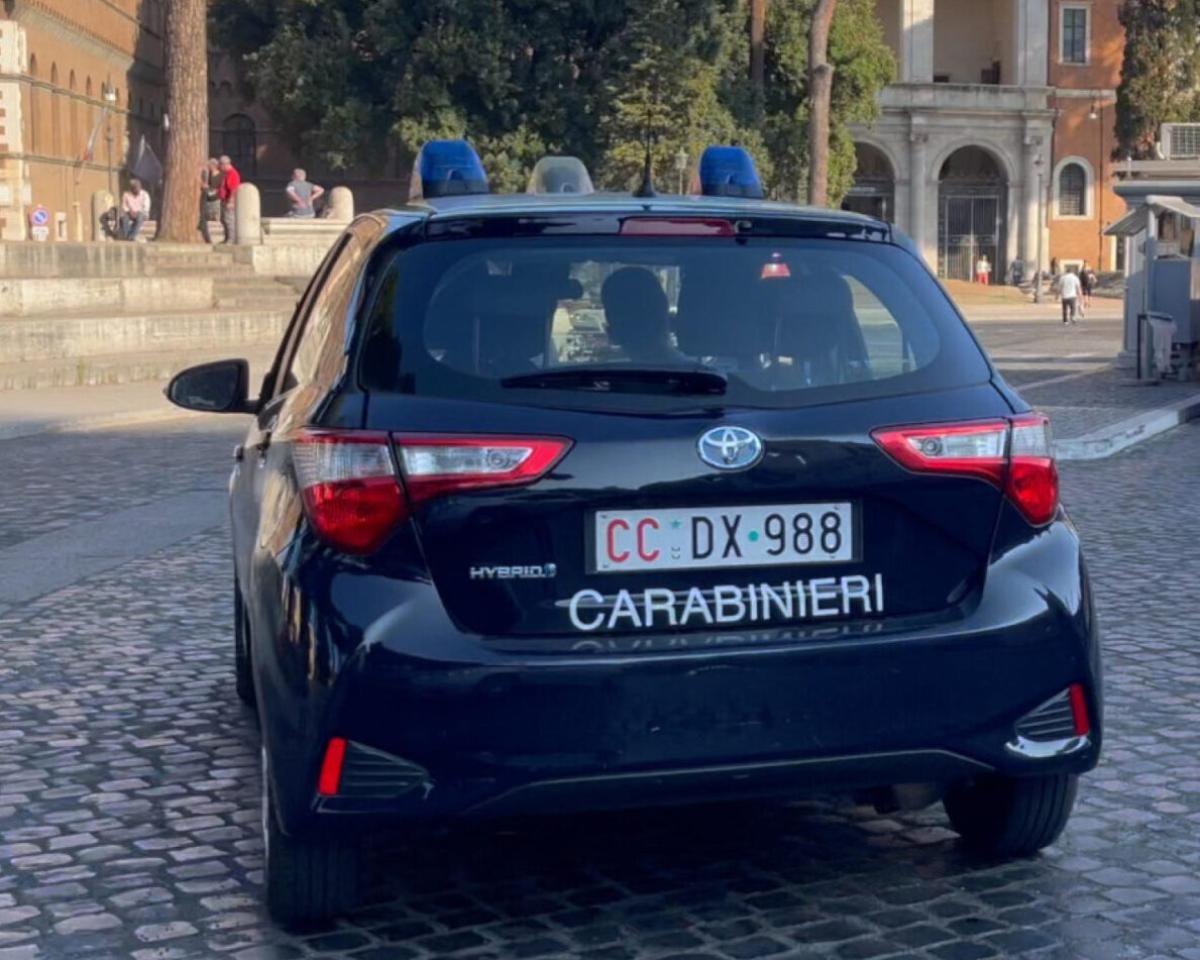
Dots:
(89, 149)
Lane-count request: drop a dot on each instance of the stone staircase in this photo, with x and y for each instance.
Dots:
(87, 314)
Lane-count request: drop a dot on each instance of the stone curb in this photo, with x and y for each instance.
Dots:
(1124, 434)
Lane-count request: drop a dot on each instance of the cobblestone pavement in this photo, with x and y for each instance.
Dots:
(129, 782)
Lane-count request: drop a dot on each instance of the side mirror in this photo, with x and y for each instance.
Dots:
(220, 387)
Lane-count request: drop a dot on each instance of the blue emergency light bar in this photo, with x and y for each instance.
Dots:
(447, 168)
(729, 172)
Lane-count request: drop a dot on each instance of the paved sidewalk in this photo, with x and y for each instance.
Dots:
(25, 413)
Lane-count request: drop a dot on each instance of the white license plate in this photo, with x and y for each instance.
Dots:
(773, 536)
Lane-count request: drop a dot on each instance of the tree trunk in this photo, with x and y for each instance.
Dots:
(820, 87)
(187, 108)
(758, 22)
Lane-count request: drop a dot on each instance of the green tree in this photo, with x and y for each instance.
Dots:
(353, 81)
(1160, 77)
(667, 68)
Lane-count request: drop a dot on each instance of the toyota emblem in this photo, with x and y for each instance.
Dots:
(730, 448)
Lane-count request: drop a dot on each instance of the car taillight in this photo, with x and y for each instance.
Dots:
(354, 498)
(1013, 455)
(436, 466)
(351, 493)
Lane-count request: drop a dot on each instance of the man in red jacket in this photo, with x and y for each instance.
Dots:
(226, 194)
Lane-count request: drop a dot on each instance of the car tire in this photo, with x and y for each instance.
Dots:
(309, 880)
(242, 670)
(1011, 816)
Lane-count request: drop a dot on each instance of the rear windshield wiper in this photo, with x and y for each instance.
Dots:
(614, 379)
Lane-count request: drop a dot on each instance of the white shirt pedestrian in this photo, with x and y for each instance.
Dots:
(1069, 289)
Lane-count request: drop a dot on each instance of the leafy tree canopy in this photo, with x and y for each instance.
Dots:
(1160, 80)
(355, 80)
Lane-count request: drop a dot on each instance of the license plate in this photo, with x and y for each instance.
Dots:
(772, 536)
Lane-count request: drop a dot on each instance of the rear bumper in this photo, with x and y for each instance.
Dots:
(477, 731)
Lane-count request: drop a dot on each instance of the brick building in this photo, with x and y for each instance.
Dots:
(74, 71)
(1087, 45)
(994, 100)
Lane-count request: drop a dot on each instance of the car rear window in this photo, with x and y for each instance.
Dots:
(786, 322)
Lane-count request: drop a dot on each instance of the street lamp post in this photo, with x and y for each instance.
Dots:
(1037, 272)
(681, 163)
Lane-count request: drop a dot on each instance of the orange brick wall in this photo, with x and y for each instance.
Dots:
(74, 48)
(1079, 90)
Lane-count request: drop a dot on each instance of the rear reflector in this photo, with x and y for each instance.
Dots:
(436, 466)
(351, 494)
(1013, 455)
(330, 777)
(676, 227)
(1079, 711)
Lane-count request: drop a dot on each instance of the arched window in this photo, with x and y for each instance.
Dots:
(1072, 190)
(72, 118)
(35, 96)
(55, 113)
(238, 139)
(88, 88)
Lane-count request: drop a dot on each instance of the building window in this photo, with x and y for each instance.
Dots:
(1073, 35)
(239, 141)
(1072, 190)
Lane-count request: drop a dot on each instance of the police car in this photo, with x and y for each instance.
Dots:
(570, 500)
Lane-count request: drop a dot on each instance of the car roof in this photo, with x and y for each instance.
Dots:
(501, 204)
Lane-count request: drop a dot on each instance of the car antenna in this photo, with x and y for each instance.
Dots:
(646, 187)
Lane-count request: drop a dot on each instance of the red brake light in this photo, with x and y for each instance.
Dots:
(436, 466)
(351, 493)
(330, 777)
(1079, 710)
(676, 227)
(1013, 455)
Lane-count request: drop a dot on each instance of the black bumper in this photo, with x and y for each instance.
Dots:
(471, 729)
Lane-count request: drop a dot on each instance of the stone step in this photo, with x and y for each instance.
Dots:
(126, 368)
(256, 302)
(86, 338)
(30, 296)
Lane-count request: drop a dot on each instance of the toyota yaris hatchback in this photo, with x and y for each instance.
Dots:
(576, 501)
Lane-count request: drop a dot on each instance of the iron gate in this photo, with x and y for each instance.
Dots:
(970, 225)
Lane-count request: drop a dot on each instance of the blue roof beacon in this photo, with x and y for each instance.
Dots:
(446, 168)
(729, 172)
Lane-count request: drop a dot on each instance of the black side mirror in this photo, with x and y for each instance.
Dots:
(220, 387)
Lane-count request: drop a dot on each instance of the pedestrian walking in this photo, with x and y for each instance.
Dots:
(135, 210)
(211, 179)
(1087, 280)
(983, 270)
(302, 195)
(1069, 289)
(227, 194)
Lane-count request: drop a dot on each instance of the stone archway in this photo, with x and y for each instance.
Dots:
(972, 213)
(874, 190)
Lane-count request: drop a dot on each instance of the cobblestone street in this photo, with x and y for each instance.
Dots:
(129, 773)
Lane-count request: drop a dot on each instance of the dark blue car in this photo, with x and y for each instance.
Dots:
(570, 501)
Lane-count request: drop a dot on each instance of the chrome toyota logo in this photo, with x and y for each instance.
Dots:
(730, 448)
